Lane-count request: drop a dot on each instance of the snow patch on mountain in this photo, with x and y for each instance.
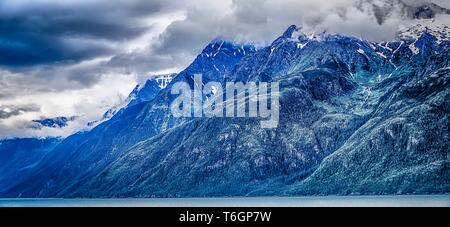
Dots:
(440, 31)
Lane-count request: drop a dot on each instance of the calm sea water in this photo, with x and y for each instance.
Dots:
(313, 201)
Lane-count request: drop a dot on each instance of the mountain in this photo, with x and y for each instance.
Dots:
(403, 148)
(141, 93)
(356, 117)
(83, 155)
(149, 90)
(18, 157)
(333, 87)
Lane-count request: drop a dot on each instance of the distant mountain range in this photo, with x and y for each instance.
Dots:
(57, 122)
(357, 117)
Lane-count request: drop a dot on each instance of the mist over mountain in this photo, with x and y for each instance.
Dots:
(383, 9)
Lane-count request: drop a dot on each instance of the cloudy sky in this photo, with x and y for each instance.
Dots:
(79, 58)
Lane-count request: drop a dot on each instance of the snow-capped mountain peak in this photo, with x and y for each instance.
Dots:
(440, 31)
(145, 91)
(148, 90)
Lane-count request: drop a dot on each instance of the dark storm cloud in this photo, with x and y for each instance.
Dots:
(261, 21)
(178, 44)
(19, 49)
(8, 111)
(39, 33)
(174, 48)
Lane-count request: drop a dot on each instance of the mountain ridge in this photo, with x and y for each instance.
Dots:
(337, 92)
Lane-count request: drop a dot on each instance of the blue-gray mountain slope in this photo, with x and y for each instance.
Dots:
(356, 117)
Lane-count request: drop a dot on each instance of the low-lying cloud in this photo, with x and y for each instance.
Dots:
(7, 111)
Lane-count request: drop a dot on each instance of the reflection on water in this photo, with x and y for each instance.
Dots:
(308, 201)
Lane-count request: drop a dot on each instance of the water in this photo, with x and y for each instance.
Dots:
(309, 201)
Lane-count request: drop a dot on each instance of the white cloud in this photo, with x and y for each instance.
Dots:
(88, 104)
